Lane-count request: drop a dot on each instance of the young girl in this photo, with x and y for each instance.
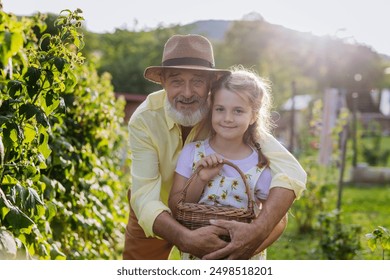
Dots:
(239, 114)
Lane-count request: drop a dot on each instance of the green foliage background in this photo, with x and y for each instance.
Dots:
(63, 153)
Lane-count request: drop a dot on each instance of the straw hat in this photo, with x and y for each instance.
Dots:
(191, 51)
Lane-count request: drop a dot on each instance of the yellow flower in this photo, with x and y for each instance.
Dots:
(222, 181)
(213, 197)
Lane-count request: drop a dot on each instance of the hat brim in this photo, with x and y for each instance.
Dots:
(153, 73)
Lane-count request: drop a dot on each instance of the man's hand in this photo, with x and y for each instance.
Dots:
(203, 241)
(245, 239)
(196, 242)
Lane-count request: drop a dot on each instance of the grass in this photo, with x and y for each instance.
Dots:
(367, 206)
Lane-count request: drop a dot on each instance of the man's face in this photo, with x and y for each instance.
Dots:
(187, 92)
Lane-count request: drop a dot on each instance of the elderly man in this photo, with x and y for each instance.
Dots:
(158, 129)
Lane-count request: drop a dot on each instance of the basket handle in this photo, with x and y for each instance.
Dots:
(247, 187)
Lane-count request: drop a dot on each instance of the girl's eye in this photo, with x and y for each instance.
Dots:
(219, 109)
(239, 111)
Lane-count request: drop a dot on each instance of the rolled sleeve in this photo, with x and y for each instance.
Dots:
(284, 181)
(286, 170)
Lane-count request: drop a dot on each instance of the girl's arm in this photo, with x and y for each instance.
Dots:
(211, 167)
(194, 191)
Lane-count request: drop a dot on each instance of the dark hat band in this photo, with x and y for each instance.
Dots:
(187, 61)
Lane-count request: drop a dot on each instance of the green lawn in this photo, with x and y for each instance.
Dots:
(366, 206)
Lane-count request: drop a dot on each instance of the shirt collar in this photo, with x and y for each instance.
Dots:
(170, 121)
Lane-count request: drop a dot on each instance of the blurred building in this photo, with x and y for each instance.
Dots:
(132, 102)
(293, 106)
(371, 107)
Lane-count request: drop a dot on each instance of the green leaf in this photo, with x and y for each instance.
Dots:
(16, 42)
(42, 161)
(9, 180)
(43, 38)
(12, 133)
(30, 170)
(49, 98)
(5, 205)
(44, 147)
(14, 87)
(29, 133)
(6, 46)
(5, 119)
(371, 244)
(49, 102)
(41, 210)
(32, 75)
(51, 210)
(17, 219)
(49, 77)
(33, 198)
(59, 63)
(42, 118)
(29, 110)
(386, 244)
(22, 192)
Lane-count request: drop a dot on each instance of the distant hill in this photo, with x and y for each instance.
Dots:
(215, 30)
(212, 29)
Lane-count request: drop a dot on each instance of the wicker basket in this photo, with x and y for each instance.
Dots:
(195, 215)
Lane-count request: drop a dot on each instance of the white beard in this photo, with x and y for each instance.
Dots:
(186, 118)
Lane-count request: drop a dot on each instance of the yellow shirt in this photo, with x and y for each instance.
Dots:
(155, 144)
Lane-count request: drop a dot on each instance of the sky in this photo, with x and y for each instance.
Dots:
(363, 21)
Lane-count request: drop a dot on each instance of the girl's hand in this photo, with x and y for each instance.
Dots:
(212, 165)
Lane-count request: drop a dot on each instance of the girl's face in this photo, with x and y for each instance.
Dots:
(231, 114)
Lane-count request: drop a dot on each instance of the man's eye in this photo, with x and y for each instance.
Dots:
(198, 82)
(176, 82)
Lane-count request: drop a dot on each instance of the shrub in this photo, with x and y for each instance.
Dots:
(61, 190)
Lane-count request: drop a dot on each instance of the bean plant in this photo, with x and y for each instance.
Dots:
(63, 158)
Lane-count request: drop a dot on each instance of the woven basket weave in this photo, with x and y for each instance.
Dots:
(195, 215)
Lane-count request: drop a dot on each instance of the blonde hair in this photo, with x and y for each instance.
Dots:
(257, 90)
